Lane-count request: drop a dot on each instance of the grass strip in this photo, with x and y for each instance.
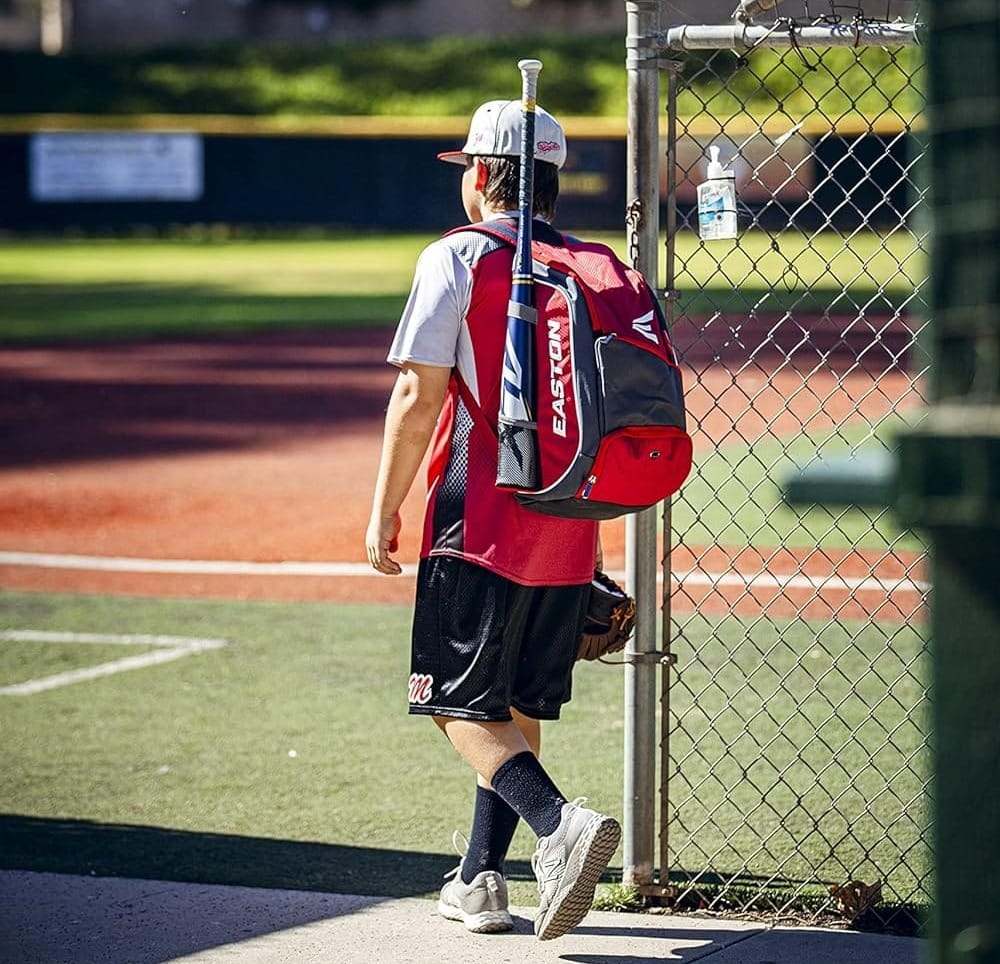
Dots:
(114, 289)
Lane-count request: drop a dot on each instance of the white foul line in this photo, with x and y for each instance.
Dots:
(693, 577)
(192, 567)
(831, 581)
(166, 648)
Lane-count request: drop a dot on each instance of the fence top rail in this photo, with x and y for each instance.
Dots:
(785, 34)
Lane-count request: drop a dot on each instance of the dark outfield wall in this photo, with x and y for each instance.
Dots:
(393, 184)
(398, 184)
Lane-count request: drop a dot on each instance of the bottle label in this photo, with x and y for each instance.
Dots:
(717, 209)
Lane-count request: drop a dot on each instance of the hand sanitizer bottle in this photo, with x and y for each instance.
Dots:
(717, 201)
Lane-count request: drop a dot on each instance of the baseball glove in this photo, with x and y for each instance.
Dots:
(610, 618)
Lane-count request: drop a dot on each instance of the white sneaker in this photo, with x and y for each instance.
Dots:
(568, 864)
(480, 905)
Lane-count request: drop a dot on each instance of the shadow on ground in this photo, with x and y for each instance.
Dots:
(77, 403)
(157, 853)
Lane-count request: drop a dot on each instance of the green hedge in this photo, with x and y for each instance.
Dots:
(447, 76)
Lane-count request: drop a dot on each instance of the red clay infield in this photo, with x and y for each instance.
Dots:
(264, 448)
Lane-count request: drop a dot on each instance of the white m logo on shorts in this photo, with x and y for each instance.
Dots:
(421, 686)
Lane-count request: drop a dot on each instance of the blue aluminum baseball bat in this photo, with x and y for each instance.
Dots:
(517, 464)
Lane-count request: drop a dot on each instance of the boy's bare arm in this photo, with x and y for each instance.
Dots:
(413, 410)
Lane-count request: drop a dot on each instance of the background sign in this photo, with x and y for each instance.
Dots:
(130, 166)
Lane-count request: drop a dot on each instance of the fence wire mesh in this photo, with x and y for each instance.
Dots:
(795, 719)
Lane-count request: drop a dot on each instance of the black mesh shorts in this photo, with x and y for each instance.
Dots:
(483, 644)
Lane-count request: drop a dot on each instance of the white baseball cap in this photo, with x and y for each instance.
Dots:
(495, 131)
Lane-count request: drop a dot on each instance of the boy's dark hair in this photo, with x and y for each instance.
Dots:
(503, 183)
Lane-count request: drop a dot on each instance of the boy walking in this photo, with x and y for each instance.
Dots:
(501, 590)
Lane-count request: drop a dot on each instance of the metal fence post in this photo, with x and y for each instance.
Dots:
(640, 528)
(673, 68)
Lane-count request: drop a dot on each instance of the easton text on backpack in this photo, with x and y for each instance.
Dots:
(612, 428)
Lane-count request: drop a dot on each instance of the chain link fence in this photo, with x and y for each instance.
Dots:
(793, 769)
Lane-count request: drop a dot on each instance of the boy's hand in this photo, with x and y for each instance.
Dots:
(382, 538)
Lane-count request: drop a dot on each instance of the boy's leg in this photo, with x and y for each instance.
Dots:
(493, 826)
(493, 820)
(477, 895)
(501, 749)
(484, 745)
(531, 730)
(575, 843)
(484, 647)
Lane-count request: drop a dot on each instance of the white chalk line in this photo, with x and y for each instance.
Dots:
(166, 649)
(192, 567)
(341, 570)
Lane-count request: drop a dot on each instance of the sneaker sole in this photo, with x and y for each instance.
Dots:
(486, 922)
(588, 861)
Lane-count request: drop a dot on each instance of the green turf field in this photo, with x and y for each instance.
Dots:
(133, 288)
(733, 496)
(798, 742)
(287, 758)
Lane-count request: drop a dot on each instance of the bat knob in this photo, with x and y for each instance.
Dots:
(529, 66)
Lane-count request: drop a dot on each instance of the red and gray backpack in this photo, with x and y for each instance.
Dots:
(609, 400)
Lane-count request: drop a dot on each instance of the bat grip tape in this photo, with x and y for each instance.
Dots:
(523, 312)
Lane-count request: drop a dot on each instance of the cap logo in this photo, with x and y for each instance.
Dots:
(546, 147)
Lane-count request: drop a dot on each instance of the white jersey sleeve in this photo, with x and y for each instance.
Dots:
(432, 323)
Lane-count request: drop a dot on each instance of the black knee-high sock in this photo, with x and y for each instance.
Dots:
(528, 789)
(493, 826)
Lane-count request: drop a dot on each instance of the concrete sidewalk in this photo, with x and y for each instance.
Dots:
(62, 919)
